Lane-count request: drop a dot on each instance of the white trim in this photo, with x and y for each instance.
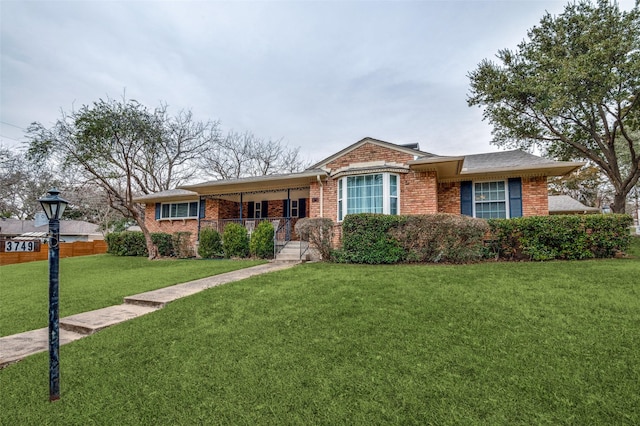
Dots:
(188, 203)
(506, 195)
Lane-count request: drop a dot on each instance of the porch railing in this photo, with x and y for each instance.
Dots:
(282, 227)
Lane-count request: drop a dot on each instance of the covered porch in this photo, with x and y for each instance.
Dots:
(281, 208)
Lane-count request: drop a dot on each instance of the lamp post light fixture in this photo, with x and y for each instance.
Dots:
(53, 207)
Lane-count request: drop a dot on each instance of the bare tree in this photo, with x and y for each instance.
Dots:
(243, 154)
(23, 183)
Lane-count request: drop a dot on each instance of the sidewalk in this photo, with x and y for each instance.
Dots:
(18, 346)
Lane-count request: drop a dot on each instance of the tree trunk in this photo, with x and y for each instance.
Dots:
(619, 203)
(152, 249)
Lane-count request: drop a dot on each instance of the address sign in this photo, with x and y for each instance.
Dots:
(9, 246)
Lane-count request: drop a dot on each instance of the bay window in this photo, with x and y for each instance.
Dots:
(372, 193)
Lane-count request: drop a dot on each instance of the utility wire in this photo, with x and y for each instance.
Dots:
(12, 125)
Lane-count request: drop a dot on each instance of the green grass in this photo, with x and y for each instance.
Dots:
(91, 282)
(495, 343)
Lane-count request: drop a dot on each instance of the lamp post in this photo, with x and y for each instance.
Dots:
(53, 207)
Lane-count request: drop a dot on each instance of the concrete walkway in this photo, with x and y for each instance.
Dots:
(18, 346)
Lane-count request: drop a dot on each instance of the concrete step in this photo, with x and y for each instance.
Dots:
(93, 321)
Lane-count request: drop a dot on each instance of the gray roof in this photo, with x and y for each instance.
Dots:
(67, 227)
(565, 204)
(502, 159)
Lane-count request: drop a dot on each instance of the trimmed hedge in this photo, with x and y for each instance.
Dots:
(374, 238)
(210, 245)
(164, 242)
(127, 243)
(261, 244)
(560, 237)
(366, 239)
(442, 237)
(235, 241)
(132, 243)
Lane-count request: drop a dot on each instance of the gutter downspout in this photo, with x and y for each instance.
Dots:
(321, 196)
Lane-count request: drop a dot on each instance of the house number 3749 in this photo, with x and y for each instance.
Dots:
(15, 246)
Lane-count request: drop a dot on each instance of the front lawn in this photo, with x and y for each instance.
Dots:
(494, 343)
(91, 282)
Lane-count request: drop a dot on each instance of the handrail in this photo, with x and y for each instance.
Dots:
(282, 233)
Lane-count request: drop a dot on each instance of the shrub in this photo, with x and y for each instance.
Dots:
(319, 233)
(365, 239)
(369, 238)
(164, 242)
(261, 244)
(235, 241)
(561, 237)
(132, 243)
(210, 245)
(182, 246)
(128, 243)
(441, 238)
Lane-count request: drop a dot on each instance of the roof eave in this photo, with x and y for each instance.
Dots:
(151, 198)
(283, 182)
(535, 170)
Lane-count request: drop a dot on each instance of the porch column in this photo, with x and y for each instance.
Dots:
(288, 214)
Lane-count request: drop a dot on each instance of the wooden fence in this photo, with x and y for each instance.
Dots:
(78, 248)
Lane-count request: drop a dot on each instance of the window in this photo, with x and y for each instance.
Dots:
(374, 193)
(257, 210)
(490, 200)
(179, 210)
(294, 208)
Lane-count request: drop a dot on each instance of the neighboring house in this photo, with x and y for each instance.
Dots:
(370, 176)
(564, 204)
(70, 230)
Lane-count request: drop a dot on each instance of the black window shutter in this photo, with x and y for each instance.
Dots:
(302, 207)
(265, 209)
(466, 198)
(202, 212)
(251, 209)
(515, 197)
(158, 206)
(285, 208)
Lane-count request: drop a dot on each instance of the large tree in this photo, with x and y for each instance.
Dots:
(571, 90)
(124, 148)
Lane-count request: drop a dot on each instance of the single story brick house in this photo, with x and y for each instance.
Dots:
(369, 176)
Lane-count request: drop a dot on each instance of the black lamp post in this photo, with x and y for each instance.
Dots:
(54, 207)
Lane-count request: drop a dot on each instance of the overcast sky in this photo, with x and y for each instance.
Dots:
(318, 75)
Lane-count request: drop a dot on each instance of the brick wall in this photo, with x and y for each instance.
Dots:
(535, 196)
(170, 226)
(449, 197)
(418, 193)
(370, 152)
